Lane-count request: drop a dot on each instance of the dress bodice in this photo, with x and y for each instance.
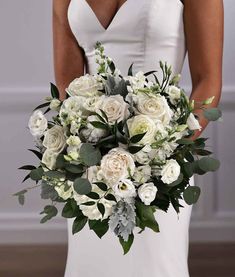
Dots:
(142, 31)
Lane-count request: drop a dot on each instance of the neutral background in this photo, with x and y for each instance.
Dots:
(26, 69)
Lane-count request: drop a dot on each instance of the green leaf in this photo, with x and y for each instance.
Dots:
(178, 181)
(54, 174)
(89, 203)
(79, 223)
(191, 194)
(126, 245)
(89, 154)
(60, 161)
(104, 115)
(74, 168)
(130, 70)
(184, 141)
(93, 195)
(202, 152)
(110, 197)
(37, 153)
(146, 216)
(54, 91)
(208, 164)
(188, 169)
(36, 174)
(71, 209)
(212, 114)
(50, 211)
(21, 199)
(42, 106)
(101, 186)
(82, 186)
(137, 138)
(135, 149)
(99, 125)
(99, 227)
(27, 167)
(101, 208)
(26, 178)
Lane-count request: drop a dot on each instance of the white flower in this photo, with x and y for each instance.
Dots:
(37, 123)
(155, 106)
(142, 174)
(116, 165)
(91, 133)
(115, 108)
(170, 171)
(145, 155)
(147, 193)
(73, 141)
(124, 189)
(174, 93)
(64, 191)
(86, 86)
(142, 124)
(138, 81)
(90, 104)
(49, 159)
(55, 105)
(92, 211)
(193, 123)
(54, 139)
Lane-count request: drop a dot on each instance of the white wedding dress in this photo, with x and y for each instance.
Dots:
(143, 32)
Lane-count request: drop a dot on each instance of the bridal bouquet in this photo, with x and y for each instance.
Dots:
(117, 150)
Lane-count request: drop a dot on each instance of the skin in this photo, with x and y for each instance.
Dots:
(204, 24)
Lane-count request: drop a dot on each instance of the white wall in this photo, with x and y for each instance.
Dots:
(25, 72)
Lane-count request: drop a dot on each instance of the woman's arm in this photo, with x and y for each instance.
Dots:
(204, 38)
(68, 56)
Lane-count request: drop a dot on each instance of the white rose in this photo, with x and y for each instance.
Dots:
(142, 124)
(124, 189)
(86, 86)
(71, 109)
(90, 104)
(64, 192)
(174, 93)
(92, 211)
(193, 123)
(170, 171)
(142, 174)
(116, 165)
(147, 193)
(54, 139)
(55, 105)
(115, 108)
(37, 123)
(49, 159)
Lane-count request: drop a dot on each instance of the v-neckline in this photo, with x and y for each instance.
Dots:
(115, 17)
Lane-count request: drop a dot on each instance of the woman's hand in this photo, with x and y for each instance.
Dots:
(204, 21)
(68, 56)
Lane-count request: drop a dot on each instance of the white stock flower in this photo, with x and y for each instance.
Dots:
(124, 189)
(140, 124)
(170, 171)
(145, 155)
(142, 174)
(174, 93)
(37, 123)
(86, 86)
(49, 159)
(138, 81)
(116, 165)
(73, 141)
(115, 108)
(147, 193)
(54, 139)
(55, 105)
(193, 123)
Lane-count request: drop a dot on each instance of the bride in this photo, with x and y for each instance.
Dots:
(143, 32)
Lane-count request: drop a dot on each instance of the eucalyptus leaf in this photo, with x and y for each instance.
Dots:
(212, 114)
(54, 174)
(82, 186)
(89, 154)
(191, 194)
(36, 174)
(208, 164)
(74, 168)
(178, 181)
